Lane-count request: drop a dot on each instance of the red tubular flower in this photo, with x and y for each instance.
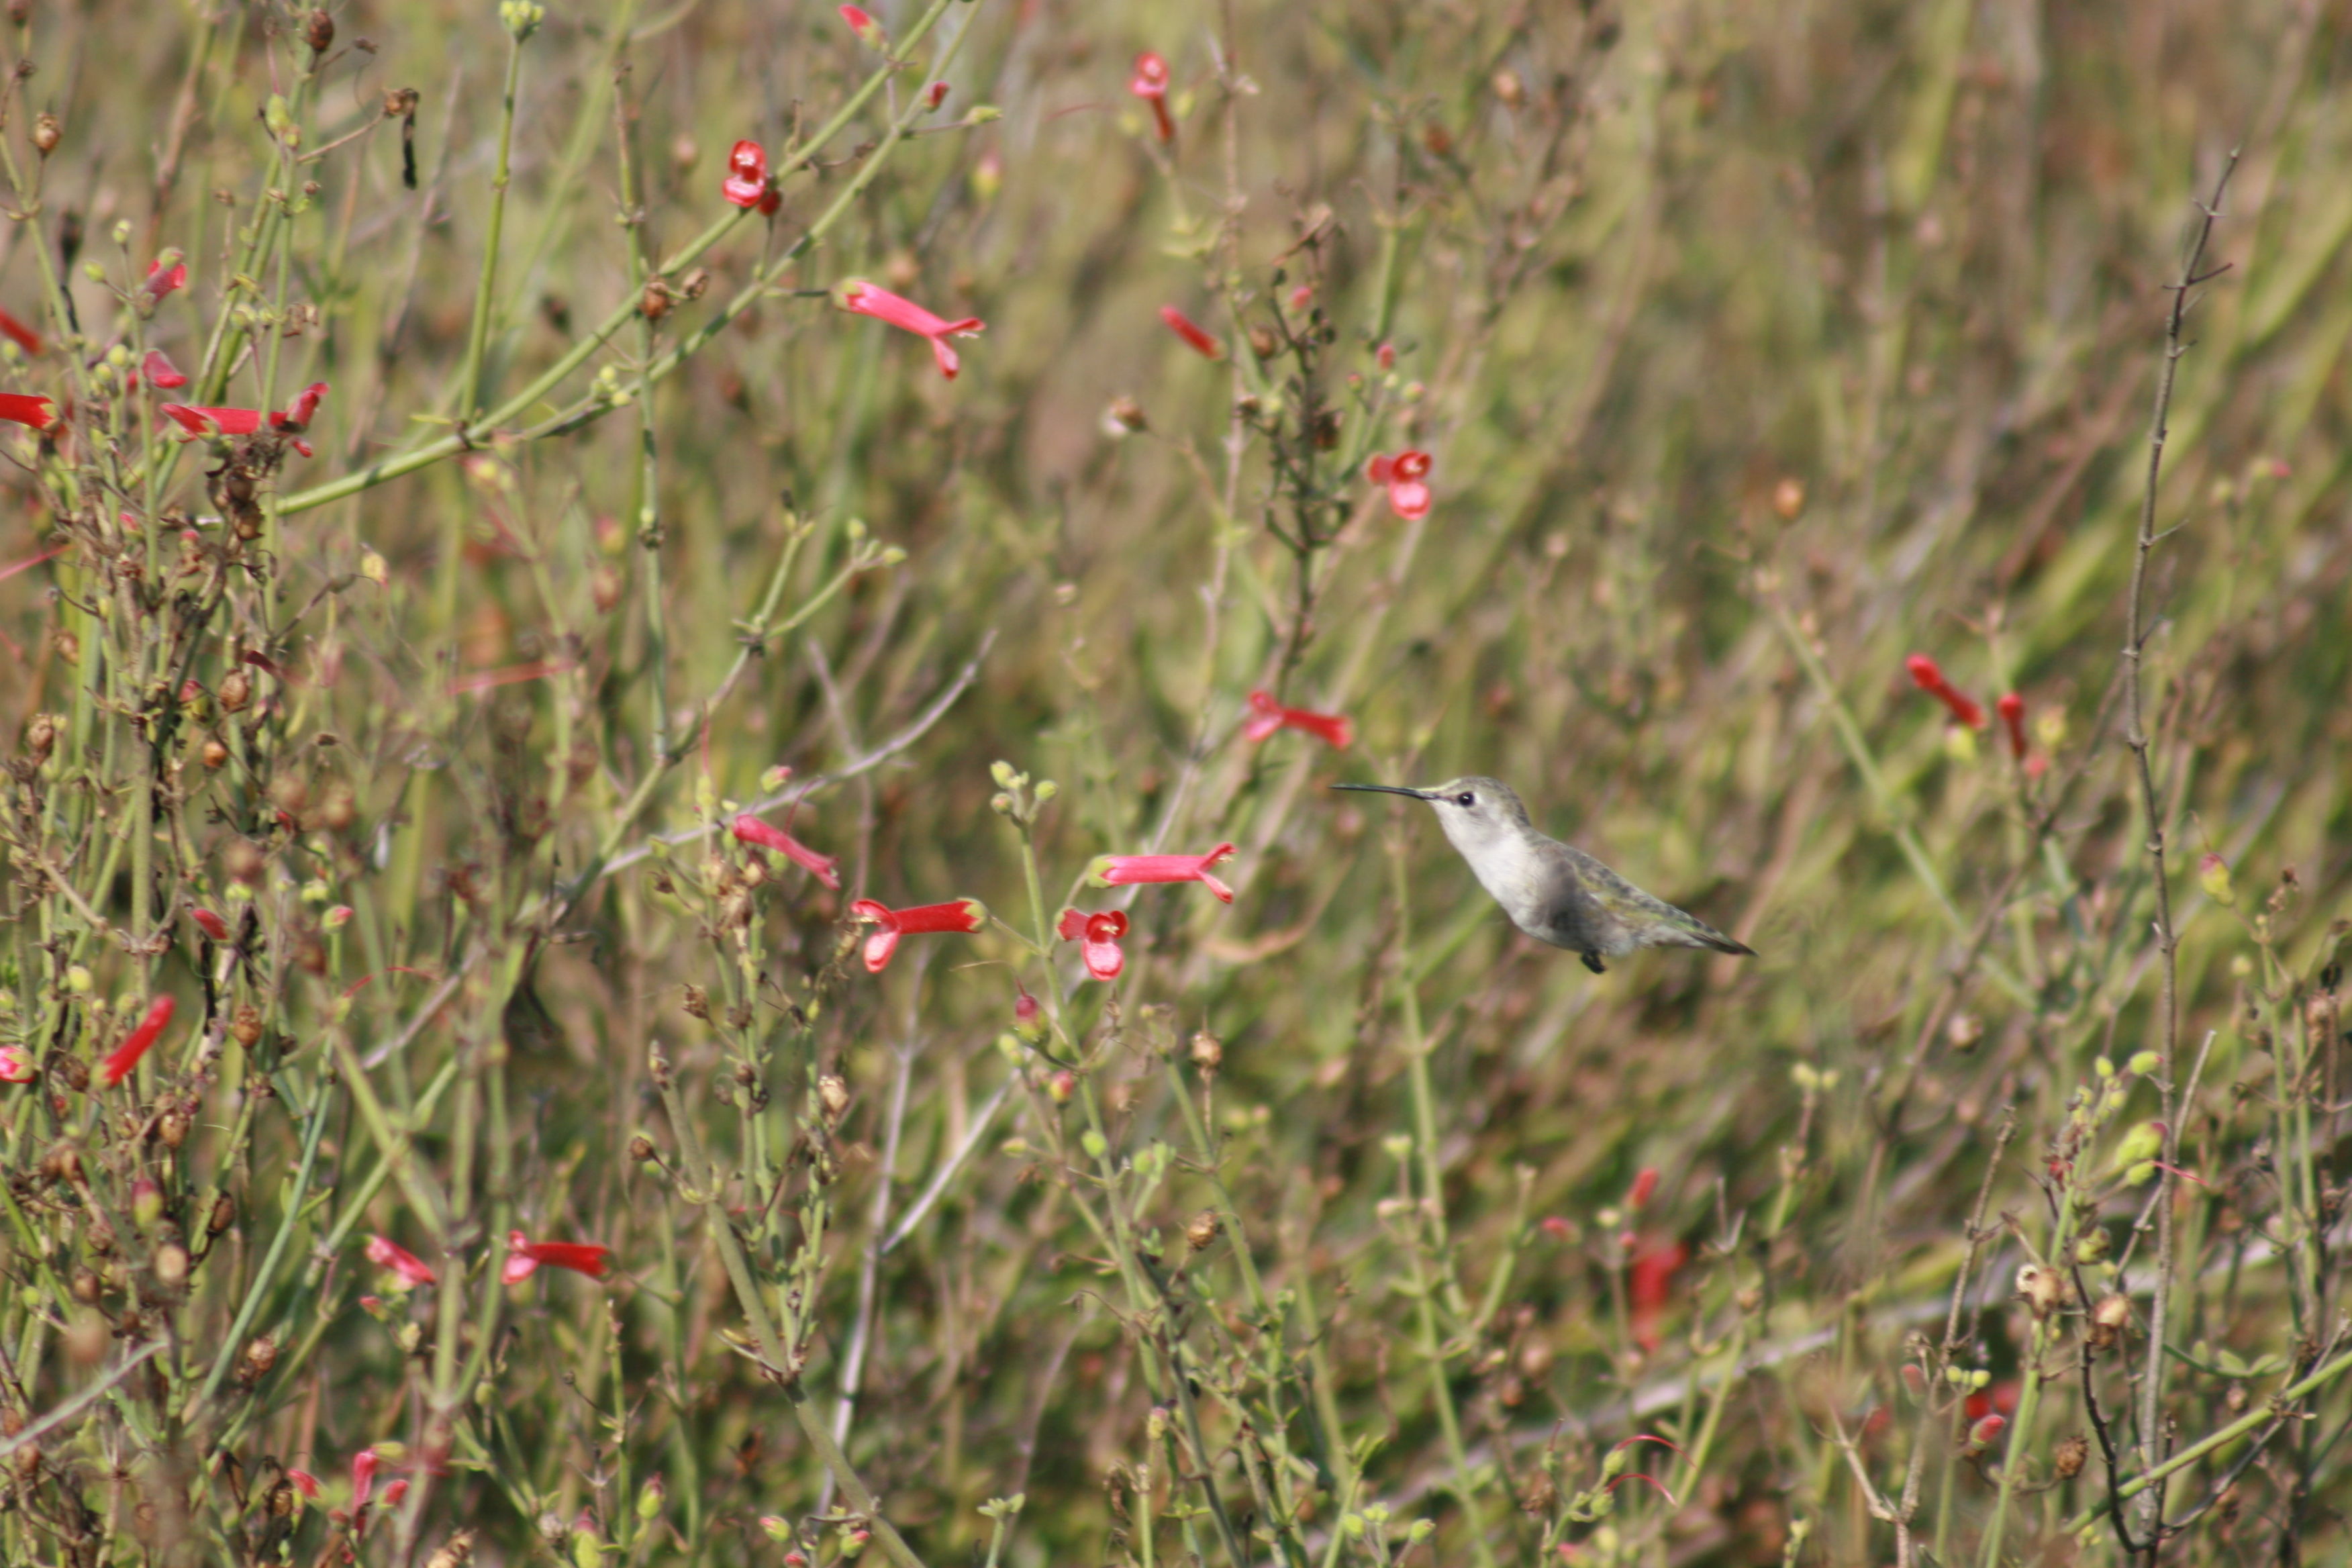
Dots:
(826, 869)
(1403, 475)
(160, 372)
(16, 1065)
(1929, 678)
(162, 279)
(389, 1255)
(303, 1481)
(364, 1464)
(1649, 1282)
(1266, 716)
(197, 420)
(935, 95)
(869, 32)
(959, 915)
(394, 1491)
(1645, 1181)
(211, 924)
(23, 336)
(524, 1256)
(1121, 871)
(1098, 938)
(125, 1057)
(2012, 715)
(1983, 1433)
(747, 178)
(865, 299)
(1151, 84)
(36, 409)
(1196, 335)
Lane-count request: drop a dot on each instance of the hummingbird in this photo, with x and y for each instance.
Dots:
(1553, 891)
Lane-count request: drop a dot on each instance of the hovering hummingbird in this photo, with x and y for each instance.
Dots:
(1553, 891)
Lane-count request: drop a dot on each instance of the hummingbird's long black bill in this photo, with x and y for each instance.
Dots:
(1386, 789)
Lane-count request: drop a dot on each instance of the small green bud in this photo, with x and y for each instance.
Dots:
(649, 1500)
(1422, 1529)
(2104, 1068)
(79, 981)
(775, 1526)
(1001, 804)
(893, 555)
(2145, 1063)
(983, 114)
(2141, 1175)
(122, 231)
(93, 271)
(1003, 774)
(1397, 1147)
(1046, 790)
(2213, 875)
(1094, 1143)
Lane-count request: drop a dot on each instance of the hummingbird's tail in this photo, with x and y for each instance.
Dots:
(1689, 930)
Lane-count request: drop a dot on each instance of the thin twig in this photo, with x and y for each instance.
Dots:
(2135, 636)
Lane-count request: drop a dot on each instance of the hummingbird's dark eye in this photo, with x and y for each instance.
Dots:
(1466, 798)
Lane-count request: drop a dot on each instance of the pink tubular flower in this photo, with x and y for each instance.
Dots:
(16, 1065)
(826, 869)
(162, 279)
(935, 95)
(118, 1065)
(959, 915)
(1984, 1432)
(1403, 475)
(747, 178)
(36, 409)
(389, 1255)
(1151, 84)
(1645, 1181)
(869, 32)
(303, 1481)
(1266, 716)
(524, 1256)
(1098, 938)
(364, 1464)
(1121, 870)
(159, 372)
(864, 300)
(23, 336)
(1929, 678)
(1196, 335)
(394, 1491)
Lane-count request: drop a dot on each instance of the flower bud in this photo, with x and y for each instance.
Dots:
(2213, 875)
(146, 1201)
(1985, 1432)
(48, 132)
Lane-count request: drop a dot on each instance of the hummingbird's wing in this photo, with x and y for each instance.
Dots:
(1614, 917)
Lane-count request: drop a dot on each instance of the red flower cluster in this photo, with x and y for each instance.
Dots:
(1929, 678)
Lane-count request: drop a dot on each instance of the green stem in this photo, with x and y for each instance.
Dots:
(478, 338)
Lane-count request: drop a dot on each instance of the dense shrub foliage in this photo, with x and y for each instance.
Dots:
(668, 674)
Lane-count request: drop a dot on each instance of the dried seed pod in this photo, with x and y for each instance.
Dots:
(213, 754)
(641, 1148)
(170, 1265)
(1263, 342)
(245, 1027)
(319, 31)
(259, 1357)
(1208, 1054)
(833, 1094)
(698, 1003)
(1202, 1230)
(2109, 1321)
(2068, 1457)
(171, 1127)
(655, 301)
(236, 691)
(48, 132)
(224, 1214)
(41, 736)
(2042, 1289)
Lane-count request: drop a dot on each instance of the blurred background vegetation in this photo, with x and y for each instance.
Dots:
(1756, 349)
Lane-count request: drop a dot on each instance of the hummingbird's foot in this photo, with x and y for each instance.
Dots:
(1592, 961)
